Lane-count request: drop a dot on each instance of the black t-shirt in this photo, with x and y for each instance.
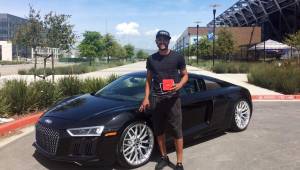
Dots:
(164, 67)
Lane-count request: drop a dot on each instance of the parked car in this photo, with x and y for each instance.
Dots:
(106, 126)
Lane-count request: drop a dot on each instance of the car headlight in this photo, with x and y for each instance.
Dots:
(86, 131)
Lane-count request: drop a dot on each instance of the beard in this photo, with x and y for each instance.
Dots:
(162, 46)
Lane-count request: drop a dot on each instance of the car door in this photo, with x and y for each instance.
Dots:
(219, 102)
(195, 107)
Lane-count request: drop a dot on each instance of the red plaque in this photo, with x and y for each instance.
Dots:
(168, 84)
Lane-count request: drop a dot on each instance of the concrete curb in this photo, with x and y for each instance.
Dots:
(32, 119)
(20, 123)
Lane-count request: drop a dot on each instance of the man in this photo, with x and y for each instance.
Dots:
(166, 74)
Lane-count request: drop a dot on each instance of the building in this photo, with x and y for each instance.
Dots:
(241, 35)
(276, 17)
(8, 51)
(8, 27)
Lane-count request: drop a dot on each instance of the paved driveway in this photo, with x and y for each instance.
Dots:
(272, 141)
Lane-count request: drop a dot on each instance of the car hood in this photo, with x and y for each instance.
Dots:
(85, 107)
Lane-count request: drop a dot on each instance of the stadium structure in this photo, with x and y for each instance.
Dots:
(276, 17)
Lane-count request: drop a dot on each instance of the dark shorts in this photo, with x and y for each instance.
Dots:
(166, 113)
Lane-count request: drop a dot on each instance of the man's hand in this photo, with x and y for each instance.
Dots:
(176, 87)
(145, 104)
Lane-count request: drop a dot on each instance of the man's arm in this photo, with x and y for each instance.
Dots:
(146, 102)
(184, 79)
(147, 86)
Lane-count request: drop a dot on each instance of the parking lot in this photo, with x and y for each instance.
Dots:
(272, 141)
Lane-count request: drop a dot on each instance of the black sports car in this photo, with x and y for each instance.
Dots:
(106, 126)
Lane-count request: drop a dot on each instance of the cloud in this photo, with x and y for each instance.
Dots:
(130, 28)
(175, 37)
(151, 32)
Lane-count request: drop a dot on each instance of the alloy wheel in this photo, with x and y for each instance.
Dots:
(138, 144)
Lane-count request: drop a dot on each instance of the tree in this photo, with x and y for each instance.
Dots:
(59, 32)
(30, 33)
(294, 41)
(129, 51)
(141, 54)
(91, 45)
(205, 47)
(117, 51)
(109, 44)
(54, 31)
(224, 43)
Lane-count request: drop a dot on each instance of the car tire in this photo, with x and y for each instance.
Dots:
(136, 145)
(241, 115)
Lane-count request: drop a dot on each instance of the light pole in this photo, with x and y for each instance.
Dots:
(197, 44)
(183, 46)
(214, 6)
(189, 35)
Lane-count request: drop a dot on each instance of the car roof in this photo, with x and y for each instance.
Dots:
(143, 73)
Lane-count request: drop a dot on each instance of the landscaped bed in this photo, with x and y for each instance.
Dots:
(17, 97)
(282, 76)
(73, 69)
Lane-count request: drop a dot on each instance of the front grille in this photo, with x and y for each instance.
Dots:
(83, 146)
(47, 139)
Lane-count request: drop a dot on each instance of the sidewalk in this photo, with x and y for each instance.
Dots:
(238, 79)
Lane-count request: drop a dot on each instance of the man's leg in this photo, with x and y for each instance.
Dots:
(161, 140)
(179, 149)
(164, 160)
(159, 122)
(175, 120)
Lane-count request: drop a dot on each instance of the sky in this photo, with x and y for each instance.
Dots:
(130, 21)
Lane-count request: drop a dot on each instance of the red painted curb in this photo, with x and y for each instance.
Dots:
(11, 126)
(275, 97)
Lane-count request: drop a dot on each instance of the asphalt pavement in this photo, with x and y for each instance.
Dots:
(272, 141)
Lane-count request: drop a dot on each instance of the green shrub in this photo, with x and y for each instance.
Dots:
(111, 78)
(231, 67)
(15, 92)
(90, 85)
(281, 79)
(70, 70)
(39, 71)
(12, 62)
(22, 72)
(4, 105)
(42, 94)
(69, 86)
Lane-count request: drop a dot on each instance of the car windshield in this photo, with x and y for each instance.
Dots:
(125, 88)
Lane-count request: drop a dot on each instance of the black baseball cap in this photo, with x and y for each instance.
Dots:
(163, 33)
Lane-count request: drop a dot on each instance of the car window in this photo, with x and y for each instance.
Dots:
(210, 84)
(201, 84)
(125, 88)
(190, 87)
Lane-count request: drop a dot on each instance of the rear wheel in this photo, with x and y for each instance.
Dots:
(136, 145)
(242, 114)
